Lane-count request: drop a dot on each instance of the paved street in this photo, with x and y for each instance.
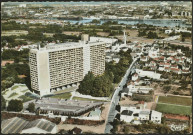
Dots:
(115, 99)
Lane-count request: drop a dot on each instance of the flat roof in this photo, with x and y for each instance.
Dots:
(145, 112)
(63, 105)
(65, 46)
(42, 124)
(13, 125)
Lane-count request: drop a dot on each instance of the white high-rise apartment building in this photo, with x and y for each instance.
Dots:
(59, 65)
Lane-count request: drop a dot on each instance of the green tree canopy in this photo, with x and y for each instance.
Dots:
(31, 107)
(15, 105)
(3, 103)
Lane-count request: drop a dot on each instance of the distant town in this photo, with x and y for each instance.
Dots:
(96, 67)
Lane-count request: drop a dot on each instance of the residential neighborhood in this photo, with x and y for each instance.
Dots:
(96, 67)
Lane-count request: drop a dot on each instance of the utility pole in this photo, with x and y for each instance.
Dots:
(125, 37)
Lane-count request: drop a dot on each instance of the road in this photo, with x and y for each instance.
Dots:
(115, 99)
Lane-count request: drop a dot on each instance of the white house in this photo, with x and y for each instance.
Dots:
(168, 31)
(138, 89)
(147, 17)
(130, 113)
(135, 77)
(144, 114)
(95, 114)
(149, 74)
(144, 58)
(136, 114)
(152, 63)
(161, 68)
(167, 64)
(156, 117)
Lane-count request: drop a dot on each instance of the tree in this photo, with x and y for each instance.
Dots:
(183, 39)
(16, 60)
(166, 88)
(151, 92)
(86, 85)
(3, 103)
(15, 105)
(31, 107)
(152, 35)
(142, 33)
(126, 129)
(95, 21)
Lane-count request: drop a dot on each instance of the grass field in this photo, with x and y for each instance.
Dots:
(173, 109)
(14, 87)
(25, 98)
(63, 96)
(65, 90)
(87, 99)
(24, 91)
(12, 94)
(175, 100)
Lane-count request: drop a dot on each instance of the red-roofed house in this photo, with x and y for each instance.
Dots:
(174, 66)
(167, 64)
(176, 70)
(156, 59)
(144, 58)
(185, 71)
(152, 63)
(161, 64)
(167, 69)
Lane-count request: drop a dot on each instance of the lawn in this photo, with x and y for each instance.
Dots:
(24, 91)
(14, 87)
(25, 98)
(12, 94)
(63, 96)
(173, 109)
(65, 90)
(175, 100)
(87, 99)
(4, 92)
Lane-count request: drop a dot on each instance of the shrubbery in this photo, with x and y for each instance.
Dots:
(84, 122)
(15, 105)
(146, 98)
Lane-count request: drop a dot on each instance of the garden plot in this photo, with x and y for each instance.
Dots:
(17, 91)
(174, 109)
(175, 100)
(174, 105)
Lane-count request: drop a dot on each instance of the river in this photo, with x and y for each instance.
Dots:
(154, 22)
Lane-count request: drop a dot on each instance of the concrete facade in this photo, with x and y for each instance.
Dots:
(59, 65)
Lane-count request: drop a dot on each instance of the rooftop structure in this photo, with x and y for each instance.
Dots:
(13, 125)
(62, 106)
(40, 126)
(96, 113)
(19, 125)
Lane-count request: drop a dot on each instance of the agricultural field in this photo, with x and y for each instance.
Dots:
(175, 100)
(174, 109)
